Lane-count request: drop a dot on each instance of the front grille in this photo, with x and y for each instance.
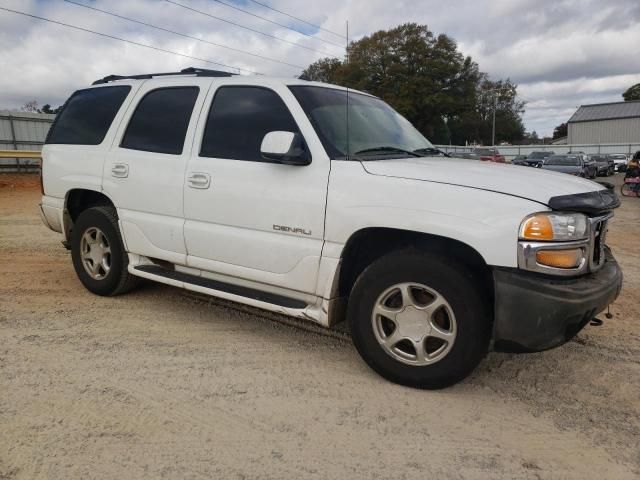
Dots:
(598, 238)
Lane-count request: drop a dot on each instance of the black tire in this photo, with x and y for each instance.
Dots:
(625, 190)
(117, 280)
(453, 282)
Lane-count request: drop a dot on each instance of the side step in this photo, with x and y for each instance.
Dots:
(267, 297)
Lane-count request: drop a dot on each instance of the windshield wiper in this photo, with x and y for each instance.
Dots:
(383, 149)
(431, 151)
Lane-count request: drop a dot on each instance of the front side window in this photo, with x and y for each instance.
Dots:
(87, 116)
(372, 124)
(239, 119)
(160, 121)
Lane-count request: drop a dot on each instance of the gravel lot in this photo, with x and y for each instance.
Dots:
(158, 384)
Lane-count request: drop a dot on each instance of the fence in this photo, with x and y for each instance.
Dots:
(511, 151)
(22, 131)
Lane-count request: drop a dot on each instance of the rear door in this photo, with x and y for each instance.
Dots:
(144, 170)
(246, 217)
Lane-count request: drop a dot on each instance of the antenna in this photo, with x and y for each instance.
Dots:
(347, 59)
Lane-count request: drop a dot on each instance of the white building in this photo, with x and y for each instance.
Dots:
(617, 122)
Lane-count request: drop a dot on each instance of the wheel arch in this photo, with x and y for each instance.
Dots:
(368, 244)
(76, 201)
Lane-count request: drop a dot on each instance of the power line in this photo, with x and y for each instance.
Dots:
(276, 23)
(250, 29)
(182, 34)
(129, 41)
(297, 18)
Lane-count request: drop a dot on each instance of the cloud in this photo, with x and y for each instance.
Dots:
(562, 53)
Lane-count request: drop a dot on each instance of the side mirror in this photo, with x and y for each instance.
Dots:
(285, 147)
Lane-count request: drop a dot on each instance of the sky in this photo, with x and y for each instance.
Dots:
(561, 53)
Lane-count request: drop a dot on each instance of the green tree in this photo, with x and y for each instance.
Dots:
(429, 81)
(46, 108)
(560, 131)
(632, 93)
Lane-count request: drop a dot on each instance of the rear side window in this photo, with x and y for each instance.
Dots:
(160, 121)
(87, 116)
(239, 119)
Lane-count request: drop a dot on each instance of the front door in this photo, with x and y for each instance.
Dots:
(247, 217)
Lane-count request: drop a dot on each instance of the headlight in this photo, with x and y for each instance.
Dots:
(559, 227)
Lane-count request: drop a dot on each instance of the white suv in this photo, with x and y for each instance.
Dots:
(324, 204)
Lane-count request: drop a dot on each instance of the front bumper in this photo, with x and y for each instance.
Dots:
(536, 312)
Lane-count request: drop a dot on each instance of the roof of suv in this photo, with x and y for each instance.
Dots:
(245, 79)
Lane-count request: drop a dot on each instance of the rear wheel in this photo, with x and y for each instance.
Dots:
(418, 319)
(98, 254)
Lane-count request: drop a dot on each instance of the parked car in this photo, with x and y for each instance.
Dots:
(591, 167)
(571, 164)
(536, 159)
(249, 188)
(518, 160)
(489, 154)
(620, 161)
(604, 166)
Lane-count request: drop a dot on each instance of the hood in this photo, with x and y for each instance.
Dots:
(533, 184)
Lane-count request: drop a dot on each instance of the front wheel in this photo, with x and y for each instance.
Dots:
(98, 254)
(418, 319)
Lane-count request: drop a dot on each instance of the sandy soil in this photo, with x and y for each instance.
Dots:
(157, 384)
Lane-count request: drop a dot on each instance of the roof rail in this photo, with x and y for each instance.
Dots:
(198, 72)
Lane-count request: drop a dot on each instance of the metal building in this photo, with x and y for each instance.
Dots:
(22, 131)
(617, 122)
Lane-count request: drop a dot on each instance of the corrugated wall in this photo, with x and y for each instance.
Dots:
(624, 130)
(22, 131)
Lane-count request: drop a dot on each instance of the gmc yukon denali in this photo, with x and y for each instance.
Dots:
(324, 204)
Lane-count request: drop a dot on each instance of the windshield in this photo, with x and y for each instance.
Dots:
(374, 127)
(564, 161)
(618, 157)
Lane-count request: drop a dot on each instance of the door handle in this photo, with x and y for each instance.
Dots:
(120, 170)
(199, 180)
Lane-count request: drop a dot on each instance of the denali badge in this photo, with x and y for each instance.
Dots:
(283, 228)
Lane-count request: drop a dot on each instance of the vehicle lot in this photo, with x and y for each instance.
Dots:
(160, 384)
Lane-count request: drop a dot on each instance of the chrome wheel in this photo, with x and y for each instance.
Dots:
(95, 253)
(414, 324)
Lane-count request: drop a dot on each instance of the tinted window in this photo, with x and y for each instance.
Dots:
(239, 119)
(161, 120)
(87, 116)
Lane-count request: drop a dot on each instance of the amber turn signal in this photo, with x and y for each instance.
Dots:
(560, 258)
(538, 227)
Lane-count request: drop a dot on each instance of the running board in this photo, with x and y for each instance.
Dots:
(259, 295)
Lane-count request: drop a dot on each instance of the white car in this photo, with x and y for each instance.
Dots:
(620, 161)
(253, 189)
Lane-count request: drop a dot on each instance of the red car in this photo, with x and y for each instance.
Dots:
(489, 154)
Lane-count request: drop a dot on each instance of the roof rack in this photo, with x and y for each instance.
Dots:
(198, 72)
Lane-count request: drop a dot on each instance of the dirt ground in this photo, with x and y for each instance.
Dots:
(157, 384)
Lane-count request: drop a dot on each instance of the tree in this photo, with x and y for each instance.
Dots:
(429, 81)
(632, 93)
(31, 106)
(46, 108)
(560, 131)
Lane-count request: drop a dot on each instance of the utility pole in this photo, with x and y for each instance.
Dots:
(493, 130)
